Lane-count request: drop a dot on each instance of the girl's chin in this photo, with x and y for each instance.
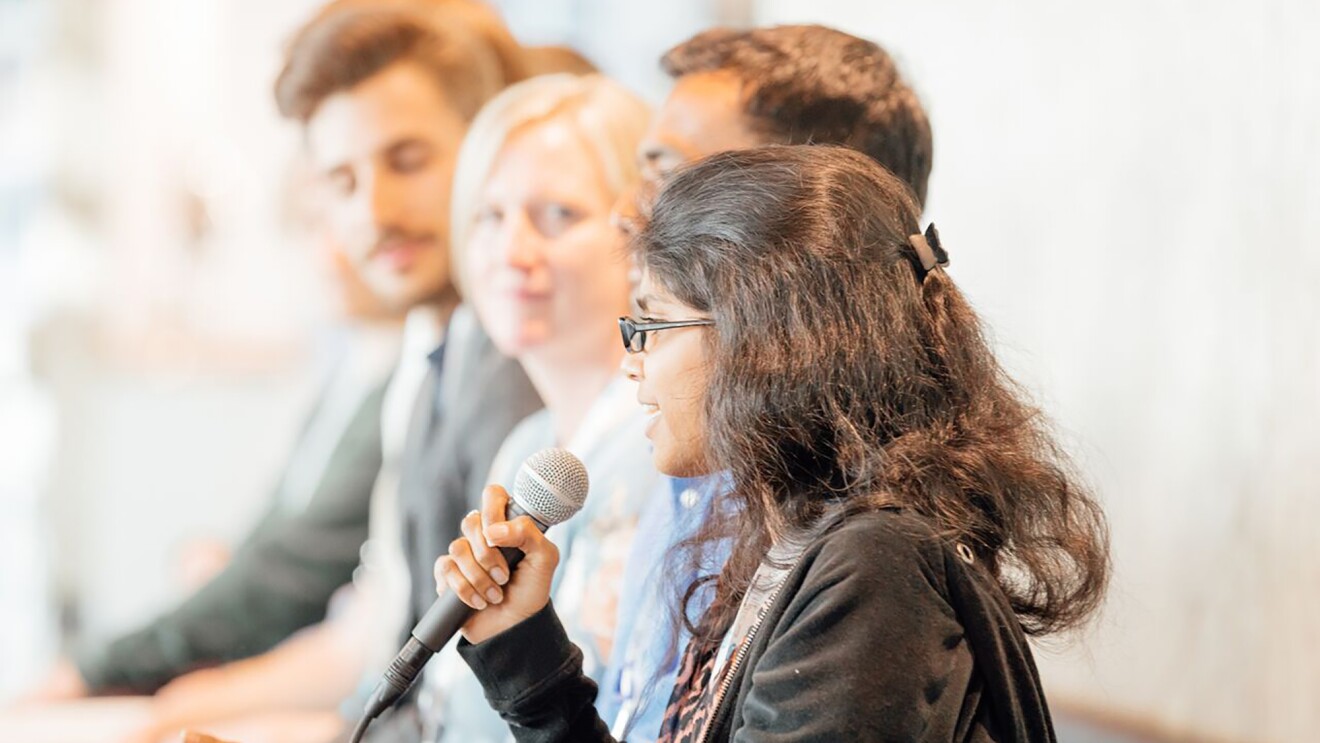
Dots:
(674, 464)
(675, 469)
(662, 465)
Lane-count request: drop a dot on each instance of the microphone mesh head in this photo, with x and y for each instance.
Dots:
(551, 486)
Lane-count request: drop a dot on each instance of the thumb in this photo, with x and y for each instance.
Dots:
(539, 553)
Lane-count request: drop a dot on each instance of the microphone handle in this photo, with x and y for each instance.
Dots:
(447, 615)
(441, 622)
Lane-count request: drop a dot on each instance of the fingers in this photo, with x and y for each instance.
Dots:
(476, 571)
(523, 534)
(500, 532)
(473, 574)
(448, 576)
(489, 557)
(494, 505)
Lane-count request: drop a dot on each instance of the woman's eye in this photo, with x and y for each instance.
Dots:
(554, 219)
(489, 215)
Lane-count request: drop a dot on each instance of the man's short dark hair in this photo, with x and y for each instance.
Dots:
(816, 85)
(348, 42)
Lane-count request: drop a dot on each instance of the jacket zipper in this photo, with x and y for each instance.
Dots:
(737, 659)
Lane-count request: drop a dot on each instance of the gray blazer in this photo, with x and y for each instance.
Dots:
(448, 453)
(483, 395)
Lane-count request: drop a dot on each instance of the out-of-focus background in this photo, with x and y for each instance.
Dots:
(1130, 192)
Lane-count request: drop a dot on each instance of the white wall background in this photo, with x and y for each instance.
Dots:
(173, 369)
(1131, 193)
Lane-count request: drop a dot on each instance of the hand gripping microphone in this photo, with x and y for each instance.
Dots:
(550, 487)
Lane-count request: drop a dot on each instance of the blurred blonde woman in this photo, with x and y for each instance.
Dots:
(537, 257)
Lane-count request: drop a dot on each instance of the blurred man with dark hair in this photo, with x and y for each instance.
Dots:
(736, 90)
(789, 85)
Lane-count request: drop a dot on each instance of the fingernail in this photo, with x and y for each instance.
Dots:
(495, 595)
(497, 531)
(481, 604)
(499, 576)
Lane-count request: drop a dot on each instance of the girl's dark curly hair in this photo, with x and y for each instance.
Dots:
(843, 373)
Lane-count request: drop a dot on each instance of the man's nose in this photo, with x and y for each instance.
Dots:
(625, 214)
(383, 200)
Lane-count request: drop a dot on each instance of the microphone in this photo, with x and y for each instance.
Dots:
(550, 487)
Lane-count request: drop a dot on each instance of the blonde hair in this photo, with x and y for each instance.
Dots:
(609, 118)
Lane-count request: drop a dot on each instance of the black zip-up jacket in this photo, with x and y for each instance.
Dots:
(881, 632)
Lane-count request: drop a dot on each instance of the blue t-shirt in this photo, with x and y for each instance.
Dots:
(639, 678)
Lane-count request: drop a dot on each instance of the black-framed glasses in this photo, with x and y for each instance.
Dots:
(634, 332)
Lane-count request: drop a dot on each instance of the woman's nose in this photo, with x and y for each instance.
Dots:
(522, 245)
(632, 366)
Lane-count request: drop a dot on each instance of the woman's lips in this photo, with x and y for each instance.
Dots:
(522, 294)
(652, 412)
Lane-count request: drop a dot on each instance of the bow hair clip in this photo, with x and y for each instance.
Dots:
(929, 250)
